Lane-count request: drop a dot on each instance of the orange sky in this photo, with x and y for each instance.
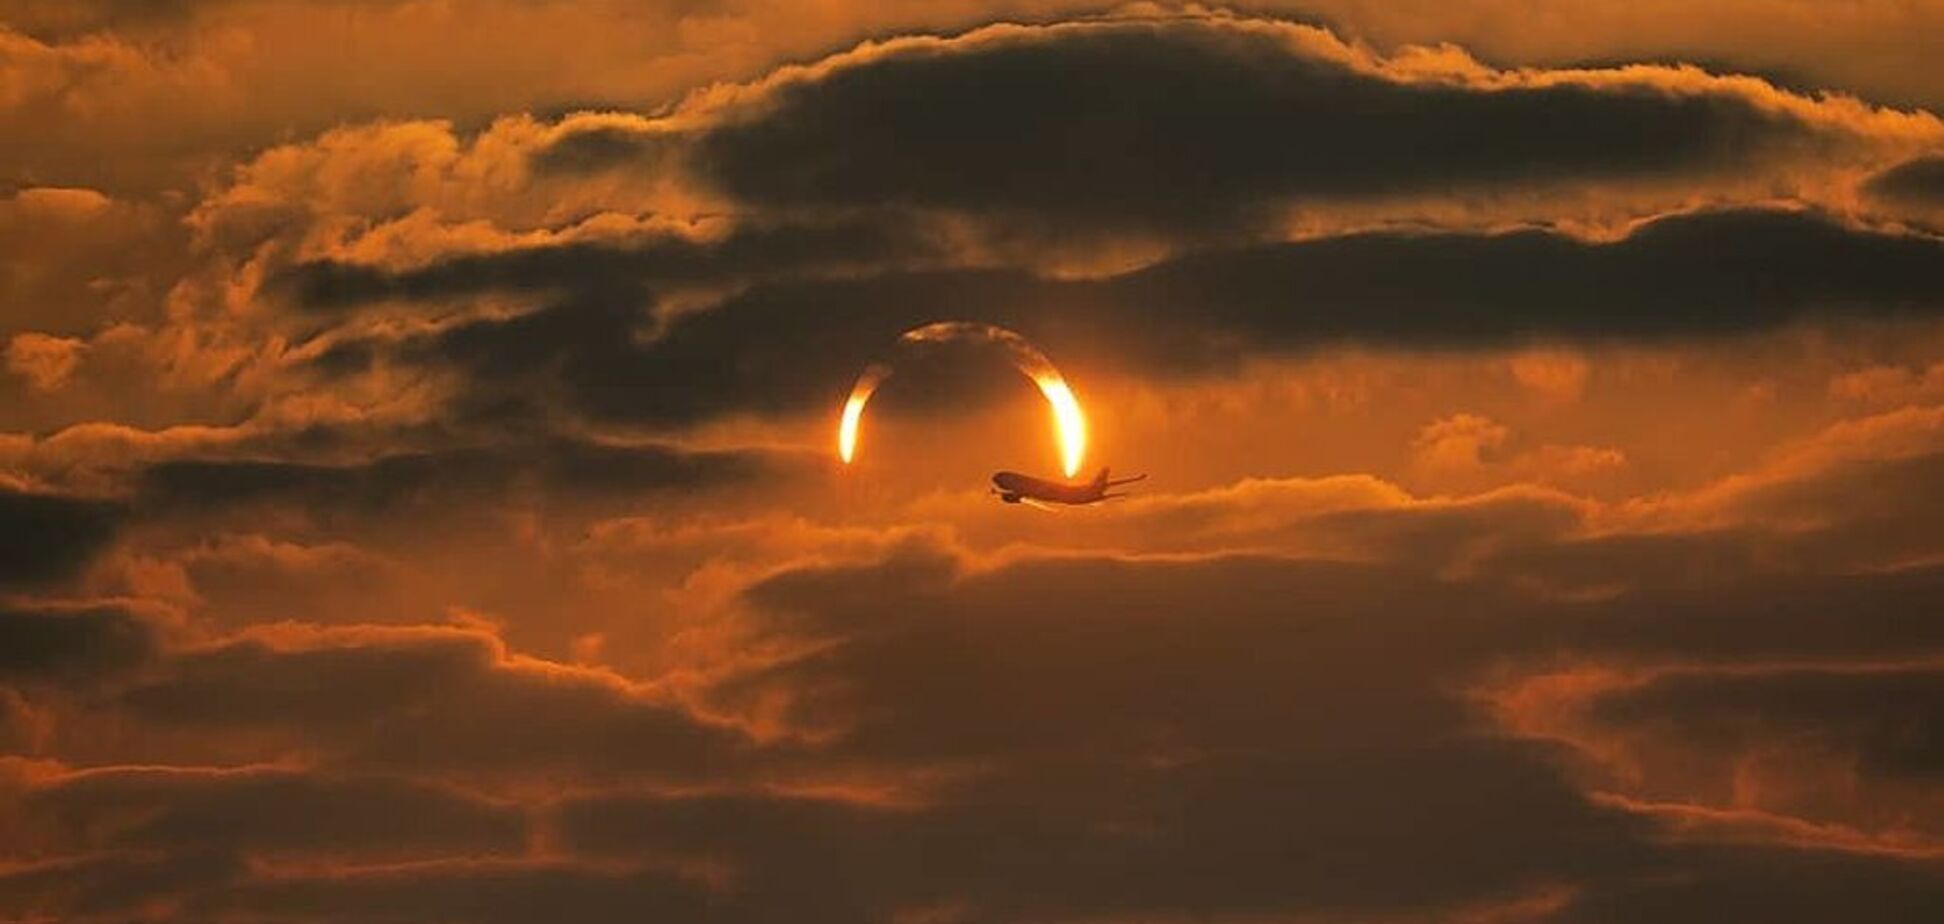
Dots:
(420, 502)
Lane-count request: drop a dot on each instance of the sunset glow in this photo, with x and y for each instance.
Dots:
(1483, 462)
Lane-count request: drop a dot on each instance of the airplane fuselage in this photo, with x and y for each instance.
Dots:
(1013, 487)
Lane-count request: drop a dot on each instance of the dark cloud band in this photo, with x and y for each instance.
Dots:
(793, 343)
(1162, 126)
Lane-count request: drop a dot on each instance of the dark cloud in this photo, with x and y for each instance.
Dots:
(1192, 126)
(1870, 514)
(118, 886)
(1308, 629)
(585, 353)
(317, 688)
(1748, 616)
(1058, 737)
(599, 148)
(1918, 181)
(1890, 718)
(50, 643)
(1708, 273)
(432, 700)
(789, 345)
(486, 891)
(267, 811)
(18, 727)
(434, 479)
(1266, 831)
(1161, 126)
(1137, 751)
(121, 841)
(71, 18)
(750, 252)
(48, 537)
(1001, 662)
(1123, 749)
(1782, 885)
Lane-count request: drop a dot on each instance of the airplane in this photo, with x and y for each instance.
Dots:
(1013, 488)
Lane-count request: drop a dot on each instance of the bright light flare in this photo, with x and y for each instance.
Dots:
(854, 410)
(1069, 425)
(847, 430)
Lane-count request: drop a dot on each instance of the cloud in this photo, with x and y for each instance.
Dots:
(1882, 714)
(1704, 273)
(73, 643)
(76, 259)
(45, 362)
(1886, 384)
(1543, 523)
(436, 478)
(1104, 742)
(1778, 884)
(438, 700)
(1812, 753)
(1353, 125)
(496, 892)
(109, 886)
(122, 840)
(50, 537)
(607, 263)
(1218, 123)
(794, 341)
(1803, 46)
(1013, 735)
(1115, 836)
(268, 811)
(1102, 710)
(1556, 374)
(739, 256)
(1919, 181)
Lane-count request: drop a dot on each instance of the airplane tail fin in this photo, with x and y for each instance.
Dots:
(1100, 479)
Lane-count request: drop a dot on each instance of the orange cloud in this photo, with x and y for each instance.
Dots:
(45, 362)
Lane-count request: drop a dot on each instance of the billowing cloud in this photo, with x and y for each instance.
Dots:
(911, 723)
(1112, 677)
(571, 258)
(1221, 123)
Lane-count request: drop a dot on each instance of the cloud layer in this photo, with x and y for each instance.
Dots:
(418, 503)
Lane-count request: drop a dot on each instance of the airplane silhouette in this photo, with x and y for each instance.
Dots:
(1013, 488)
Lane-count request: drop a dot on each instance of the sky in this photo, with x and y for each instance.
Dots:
(420, 502)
